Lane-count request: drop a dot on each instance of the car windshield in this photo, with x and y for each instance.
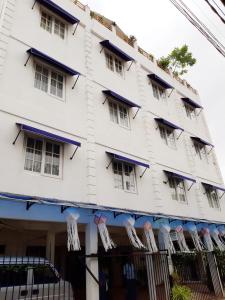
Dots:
(13, 275)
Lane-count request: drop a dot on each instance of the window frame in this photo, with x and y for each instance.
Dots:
(165, 133)
(43, 159)
(123, 186)
(201, 152)
(177, 185)
(214, 202)
(119, 106)
(190, 111)
(159, 92)
(115, 58)
(54, 19)
(51, 70)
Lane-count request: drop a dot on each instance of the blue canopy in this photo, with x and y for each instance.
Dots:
(59, 11)
(213, 186)
(160, 81)
(201, 141)
(48, 135)
(126, 159)
(191, 103)
(108, 45)
(120, 98)
(52, 61)
(167, 123)
(179, 176)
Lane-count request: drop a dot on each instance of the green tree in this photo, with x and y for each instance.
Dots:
(178, 60)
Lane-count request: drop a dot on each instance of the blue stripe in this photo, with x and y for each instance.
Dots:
(160, 81)
(106, 44)
(120, 98)
(179, 176)
(167, 123)
(191, 102)
(213, 186)
(126, 159)
(201, 141)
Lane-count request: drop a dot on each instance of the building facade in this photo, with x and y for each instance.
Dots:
(89, 120)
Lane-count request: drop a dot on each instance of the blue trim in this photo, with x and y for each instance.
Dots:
(59, 11)
(48, 135)
(120, 98)
(179, 176)
(52, 61)
(108, 45)
(167, 123)
(201, 141)
(160, 81)
(191, 102)
(126, 159)
(213, 186)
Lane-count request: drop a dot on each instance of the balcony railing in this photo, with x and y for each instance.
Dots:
(79, 4)
(124, 37)
(101, 20)
(146, 54)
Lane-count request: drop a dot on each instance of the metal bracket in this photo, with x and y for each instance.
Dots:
(29, 204)
(180, 134)
(105, 100)
(75, 82)
(222, 195)
(136, 113)
(156, 218)
(101, 49)
(75, 29)
(191, 186)
(130, 65)
(63, 208)
(137, 217)
(74, 153)
(27, 60)
(16, 137)
(34, 4)
(143, 172)
(171, 92)
(109, 163)
(199, 112)
(210, 151)
(116, 214)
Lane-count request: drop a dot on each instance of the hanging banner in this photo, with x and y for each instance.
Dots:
(73, 242)
(214, 232)
(165, 241)
(150, 238)
(100, 220)
(192, 229)
(181, 239)
(207, 239)
(129, 222)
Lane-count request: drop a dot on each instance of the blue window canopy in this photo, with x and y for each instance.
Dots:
(120, 98)
(213, 187)
(160, 81)
(168, 124)
(128, 160)
(201, 141)
(114, 49)
(58, 10)
(51, 61)
(181, 177)
(191, 103)
(46, 134)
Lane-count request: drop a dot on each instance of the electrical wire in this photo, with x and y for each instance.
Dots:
(199, 25)
(215, 11)
(218, 7)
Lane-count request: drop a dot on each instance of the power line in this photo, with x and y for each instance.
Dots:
(215, 11)
(218, 7)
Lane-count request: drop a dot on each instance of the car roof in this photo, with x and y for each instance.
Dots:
(23, 260)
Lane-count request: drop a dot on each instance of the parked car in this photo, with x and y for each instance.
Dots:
(31, 278)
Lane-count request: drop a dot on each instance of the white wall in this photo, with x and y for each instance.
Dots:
(83, 117)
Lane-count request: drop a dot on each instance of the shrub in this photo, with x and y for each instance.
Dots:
(180, 292)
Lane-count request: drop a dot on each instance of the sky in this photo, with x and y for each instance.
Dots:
(159, 27)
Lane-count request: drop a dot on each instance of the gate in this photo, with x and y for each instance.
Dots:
(199, 272)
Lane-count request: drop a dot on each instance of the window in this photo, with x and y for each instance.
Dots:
(167, 134)
(200, 150)
(44, 274)
(158, 91)
(119, 114)
(13, 275)
(49, 81)
(190, 111)
(42, 156)
(177, 187)
(213, 198)
(114, 63)
(124, 176)
(53, 25)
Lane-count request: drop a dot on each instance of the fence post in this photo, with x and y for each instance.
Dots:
(215, 275)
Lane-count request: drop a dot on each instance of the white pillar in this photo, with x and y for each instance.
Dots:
(50, 246)
(91, 246)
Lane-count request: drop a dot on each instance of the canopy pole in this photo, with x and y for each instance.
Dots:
(27, 60)
(171, 92)
(101, 49)
(74, 153)
(75, 29)
(75, 81)
(109, 163)
(105, 100)
(222, 195)
(191, 186)
(199, 112)
(136, 113)
(34, 4)
(130, 65)
(180, 134)
(143, 173)
(210, 151)
(17, 136)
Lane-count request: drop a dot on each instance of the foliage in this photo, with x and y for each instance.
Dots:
(178, 60)
(176, 278)
(180, 292)
(220, 258)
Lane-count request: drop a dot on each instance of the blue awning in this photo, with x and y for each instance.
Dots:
(199, 140)
(179, 176)
(48, 135)
(160, 81)
(167, 123)
(191, 103)
(52, 61)
(211, 186)
(129, 160)
(120, 98)
(106, 44)
(59, 11)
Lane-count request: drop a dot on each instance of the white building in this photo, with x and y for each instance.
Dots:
(128, 120)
